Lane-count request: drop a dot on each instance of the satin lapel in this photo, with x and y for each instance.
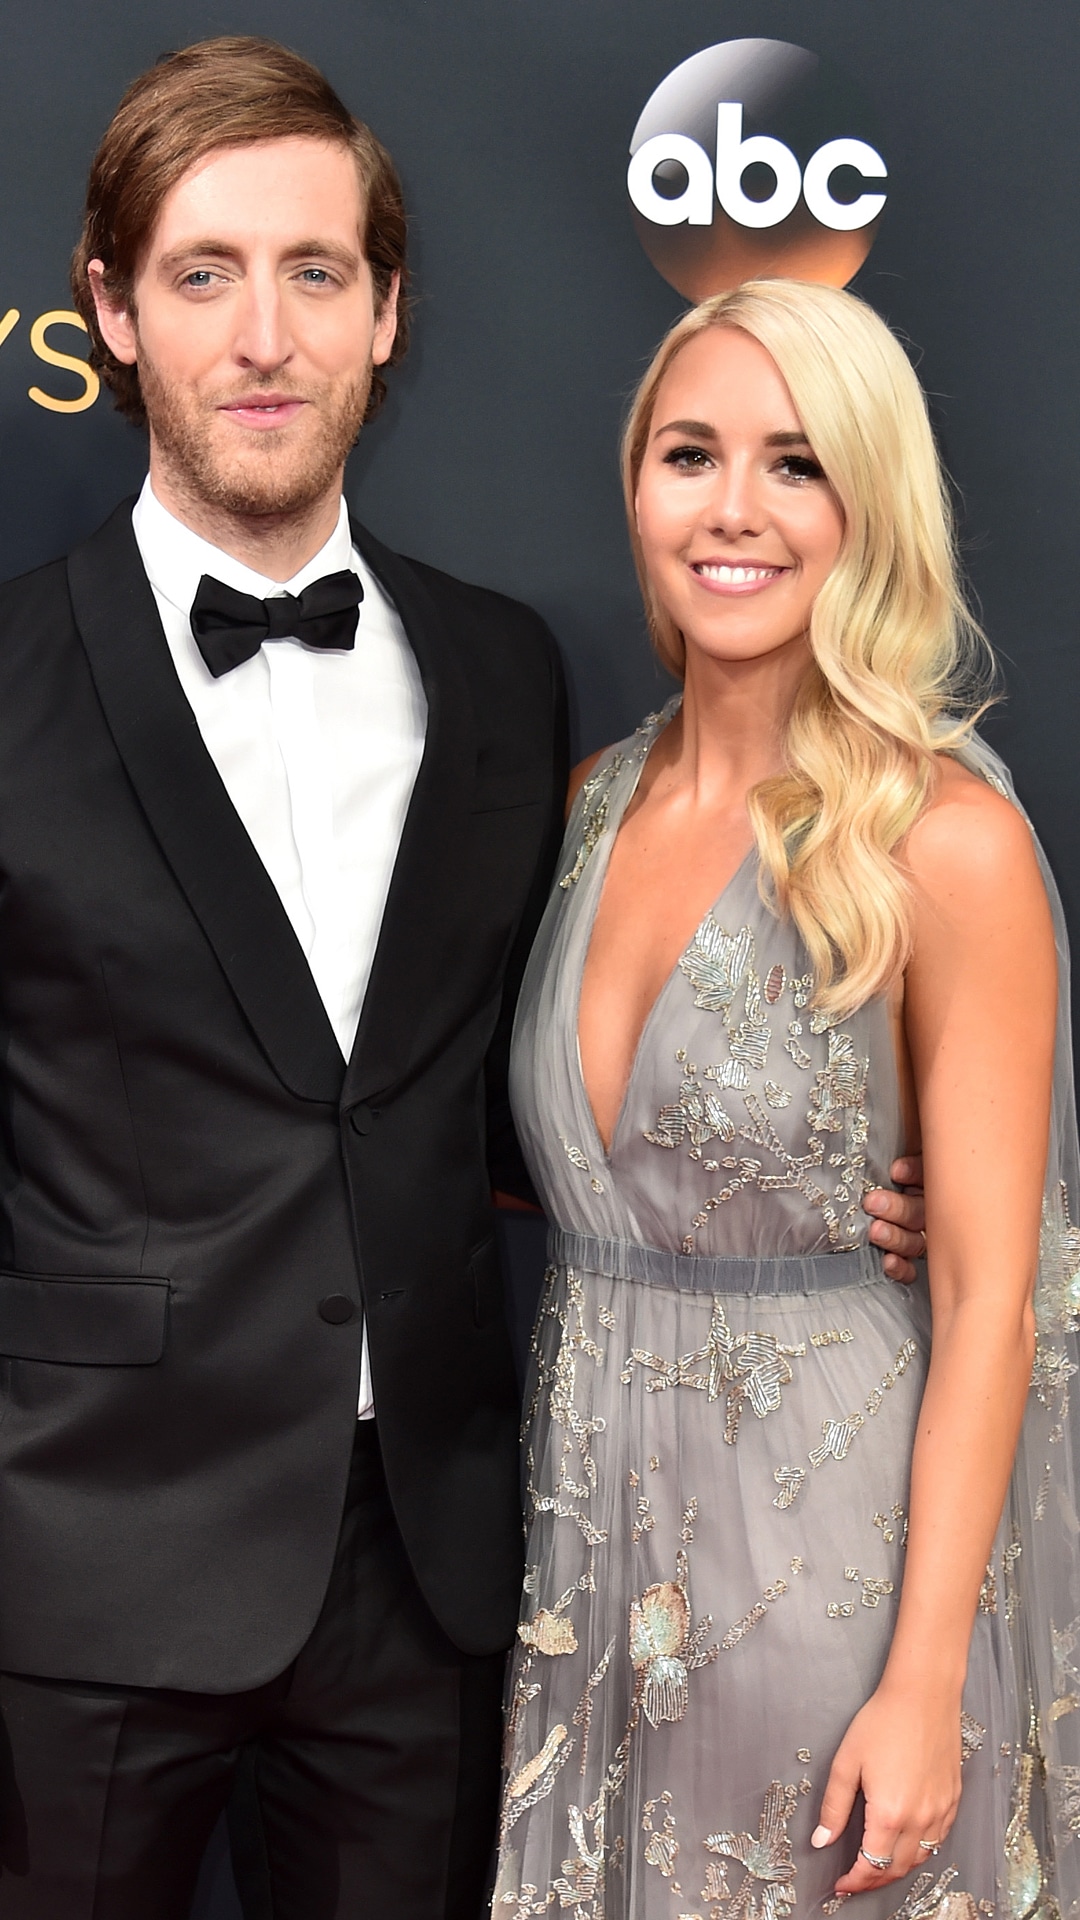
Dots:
(192, 817)
(391, 1024)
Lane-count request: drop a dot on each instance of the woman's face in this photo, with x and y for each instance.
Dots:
(738, 525)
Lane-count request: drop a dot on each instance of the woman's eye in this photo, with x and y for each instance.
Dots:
(687, 459)
(801, 466)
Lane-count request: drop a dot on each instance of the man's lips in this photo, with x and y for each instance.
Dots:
(263, 410)
(736, 577)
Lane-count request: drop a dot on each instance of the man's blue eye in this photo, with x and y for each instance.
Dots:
(317, 274)
(200, 277)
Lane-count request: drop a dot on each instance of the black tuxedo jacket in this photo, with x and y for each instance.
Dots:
(189, 1170)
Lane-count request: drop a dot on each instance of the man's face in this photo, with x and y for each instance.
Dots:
(254, 327)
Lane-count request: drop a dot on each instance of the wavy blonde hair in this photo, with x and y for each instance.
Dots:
(900, 667)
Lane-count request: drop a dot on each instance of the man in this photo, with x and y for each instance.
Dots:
(279, 813)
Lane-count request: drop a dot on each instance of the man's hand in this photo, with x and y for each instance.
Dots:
(512, 1203)
(899, 1219)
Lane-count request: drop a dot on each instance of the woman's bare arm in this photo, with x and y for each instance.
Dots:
(979, 1014)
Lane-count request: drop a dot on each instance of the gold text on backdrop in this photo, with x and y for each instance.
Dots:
(71, 363)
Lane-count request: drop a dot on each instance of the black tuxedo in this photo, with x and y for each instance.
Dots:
(198, 1194)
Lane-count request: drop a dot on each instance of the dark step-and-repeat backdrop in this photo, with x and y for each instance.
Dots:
(576, 171)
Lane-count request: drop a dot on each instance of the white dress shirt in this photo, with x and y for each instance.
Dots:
(318, 753)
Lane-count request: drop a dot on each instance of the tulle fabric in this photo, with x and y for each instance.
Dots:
(718, 1438)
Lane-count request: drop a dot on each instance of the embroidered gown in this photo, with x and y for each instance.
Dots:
(717, 1448)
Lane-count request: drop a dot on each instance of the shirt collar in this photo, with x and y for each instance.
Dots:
(175, 558)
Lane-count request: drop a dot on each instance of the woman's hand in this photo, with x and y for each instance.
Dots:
(903, 1750)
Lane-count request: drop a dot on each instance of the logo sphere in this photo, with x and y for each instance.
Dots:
(754, 159)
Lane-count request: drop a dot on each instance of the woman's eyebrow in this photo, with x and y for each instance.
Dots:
(701, 430)
(698, 429)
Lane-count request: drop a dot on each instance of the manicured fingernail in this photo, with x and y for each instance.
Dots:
(820, 1837)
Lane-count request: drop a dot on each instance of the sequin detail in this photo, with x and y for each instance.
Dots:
(722, 967)
(664, 1649)
(931, 1899)
(790, 1482)
(1023, 1866)
(768, 1890)
(595, 805)
(747, 1369)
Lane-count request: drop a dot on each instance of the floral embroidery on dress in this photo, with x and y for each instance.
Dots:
(699, 1115)
(1063, 1645)
(595, 798)
(840, 1087)
(522, 1903)
(664, 1650)
(747, 1368)
(549, 1632)
(581, 1161)
(595, 805)
(1023, 1866)
(1050, 1376)
(723, 969)
(1058, 1295)
(537, 1777)
(575, 1482)
(930, 1899)
(758, 1611)
(581, 1884)
(790, 1481)
(716, 964)
(837, 1436)
(768, 1890)
(661, 1849)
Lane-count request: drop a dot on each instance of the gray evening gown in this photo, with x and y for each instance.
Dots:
(717, 1449)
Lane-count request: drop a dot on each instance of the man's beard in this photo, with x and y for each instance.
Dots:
(263, 480)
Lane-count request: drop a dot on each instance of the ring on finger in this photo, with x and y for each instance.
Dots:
(930, 1846)
(880, 1861)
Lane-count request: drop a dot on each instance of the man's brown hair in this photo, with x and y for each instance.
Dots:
(231, 91)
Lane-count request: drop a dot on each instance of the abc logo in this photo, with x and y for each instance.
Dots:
(751, 159)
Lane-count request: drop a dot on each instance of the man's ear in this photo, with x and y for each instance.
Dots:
(385, 325)
(115, 323)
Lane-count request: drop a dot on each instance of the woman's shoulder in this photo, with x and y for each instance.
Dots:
(969, 840)
(633, 750)
(580, 773)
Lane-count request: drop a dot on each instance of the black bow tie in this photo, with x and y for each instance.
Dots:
(230, 627)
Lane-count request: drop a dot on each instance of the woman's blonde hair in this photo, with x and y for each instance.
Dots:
(901, 668)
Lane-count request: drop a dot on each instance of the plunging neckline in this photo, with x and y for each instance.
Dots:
(605, 1152)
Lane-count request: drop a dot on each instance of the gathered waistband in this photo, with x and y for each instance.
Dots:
(721, 1273)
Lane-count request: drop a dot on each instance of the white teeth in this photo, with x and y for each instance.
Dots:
(736, 576)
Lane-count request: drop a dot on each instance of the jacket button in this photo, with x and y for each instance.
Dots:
(336, 1309)
(360, 1119)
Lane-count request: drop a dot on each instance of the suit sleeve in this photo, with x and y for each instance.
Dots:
(506, 1166)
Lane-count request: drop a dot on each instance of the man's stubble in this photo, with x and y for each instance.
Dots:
(271, 479)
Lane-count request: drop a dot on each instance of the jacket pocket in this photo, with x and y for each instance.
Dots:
(487, 1287)
(82, 1321)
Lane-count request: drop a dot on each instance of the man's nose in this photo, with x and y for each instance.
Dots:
(262, 340)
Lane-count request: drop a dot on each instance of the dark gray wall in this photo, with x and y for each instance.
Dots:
(495, 457)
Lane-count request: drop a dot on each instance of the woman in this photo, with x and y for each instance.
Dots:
(773, 1615)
